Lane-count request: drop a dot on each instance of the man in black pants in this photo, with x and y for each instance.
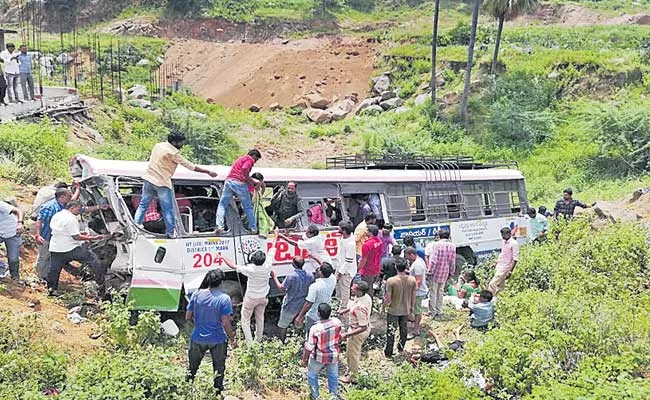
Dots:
(211, 311)
(400, 301)
(65, 246)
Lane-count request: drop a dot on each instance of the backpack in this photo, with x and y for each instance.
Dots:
(316, 215)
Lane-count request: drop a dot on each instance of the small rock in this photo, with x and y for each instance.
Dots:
(302, 77)
(300, 151)
(389, 94)
(382, 84)
(58, 328)
(319, 116)
(143, 63)
(275, 107)
(138, 92)
(372, 110)
(353, 53)
(317, 101)
(391, 103)
(367, 103)
(348, 81)
(421, 99)
(285, 41)
(254, 108)
(272, 152)
(276, 76)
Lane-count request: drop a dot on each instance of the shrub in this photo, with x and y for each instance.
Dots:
(118, 330)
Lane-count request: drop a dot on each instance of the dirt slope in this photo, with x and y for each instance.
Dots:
(240, 74)
(574, 15)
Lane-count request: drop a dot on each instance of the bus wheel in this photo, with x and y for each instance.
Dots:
(234, 290)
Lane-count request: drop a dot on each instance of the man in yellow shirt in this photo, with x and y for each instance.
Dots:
(361, 232)
(164, 159)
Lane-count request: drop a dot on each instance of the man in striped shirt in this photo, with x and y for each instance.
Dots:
(322, 351)
(442, 265)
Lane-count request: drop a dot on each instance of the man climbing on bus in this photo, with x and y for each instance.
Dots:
(164, 159)
(285, 206)
(237, 183)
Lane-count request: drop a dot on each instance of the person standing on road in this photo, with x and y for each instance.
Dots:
(12, 72)
(65, 246)
(400, 300)
(418, 270)
(26, 78)
(442, 266)
(11, 228)
(506, 262)
(347, 263)
(566, 206)
(211, 311)
(322, 350)
(237, 183)
(370, 263)
(295, 287)
(164, 160)
(257, 290)
(319, 292)
(360, 310)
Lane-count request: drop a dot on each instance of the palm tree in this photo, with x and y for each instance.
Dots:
(434, 47)
(470, 60)
(503, 10)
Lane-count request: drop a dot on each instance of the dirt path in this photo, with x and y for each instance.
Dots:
(240, 74)
(574, 15)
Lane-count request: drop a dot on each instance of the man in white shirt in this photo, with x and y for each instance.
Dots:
(11, 227)
(418, 270)
(258, 272)
(66, 246)
(346, 264)
(314, 243)
(12, 71)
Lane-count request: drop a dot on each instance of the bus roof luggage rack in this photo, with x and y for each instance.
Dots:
(411, 161)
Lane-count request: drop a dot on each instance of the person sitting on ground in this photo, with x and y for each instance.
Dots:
(164, 160)
(237, 183)
(258, 272)
(359, 330)
(481, 310)
(295, 287)
(459, 294)
(65, 246)
(285, 206)
(211, 311)
(314, 243)
(322, 350)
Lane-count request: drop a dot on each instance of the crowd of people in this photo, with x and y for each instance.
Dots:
(15, 66)
(370, 264)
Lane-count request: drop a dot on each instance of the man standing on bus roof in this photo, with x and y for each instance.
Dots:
(370, 262)
(164, 159)
(237, 183)
(361, 231)
(566, 206)
(442, 265)
(505, 263)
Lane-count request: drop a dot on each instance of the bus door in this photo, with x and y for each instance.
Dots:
(355, 194)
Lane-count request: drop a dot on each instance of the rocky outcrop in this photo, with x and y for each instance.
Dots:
(318, 116)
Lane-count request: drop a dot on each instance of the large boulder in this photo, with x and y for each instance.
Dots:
(391, 103)
(342, 108)
(138, 92)
(318, 116)
(372, 110)
(389, 94)
(381, 84)
(371, 101)
(315, 100)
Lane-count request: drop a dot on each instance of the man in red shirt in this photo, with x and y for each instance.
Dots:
(370, 262)
(237, 183)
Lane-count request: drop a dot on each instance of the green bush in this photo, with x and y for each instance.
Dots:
(34, 153)
(120, 333)
(138, 375)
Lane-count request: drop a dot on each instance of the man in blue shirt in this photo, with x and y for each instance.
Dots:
(211, 311)
(481, 312)
(25, 68)
(43, 231)
(319, 292)
(296, 287)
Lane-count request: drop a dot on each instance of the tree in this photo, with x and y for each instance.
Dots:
(470, 60)
(434, 48)
(503, 10)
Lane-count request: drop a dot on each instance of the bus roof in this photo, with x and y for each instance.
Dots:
(92, 167)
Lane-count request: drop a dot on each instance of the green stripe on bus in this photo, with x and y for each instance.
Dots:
(159, 299)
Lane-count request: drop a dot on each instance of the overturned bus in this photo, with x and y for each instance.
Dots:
(418, 197)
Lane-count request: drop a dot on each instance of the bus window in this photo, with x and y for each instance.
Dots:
(197, 205)
(153, 221)
(477, 200)
(361, 204)
(453, 207)
(515, 204)
(416, 208)
(322, 212)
